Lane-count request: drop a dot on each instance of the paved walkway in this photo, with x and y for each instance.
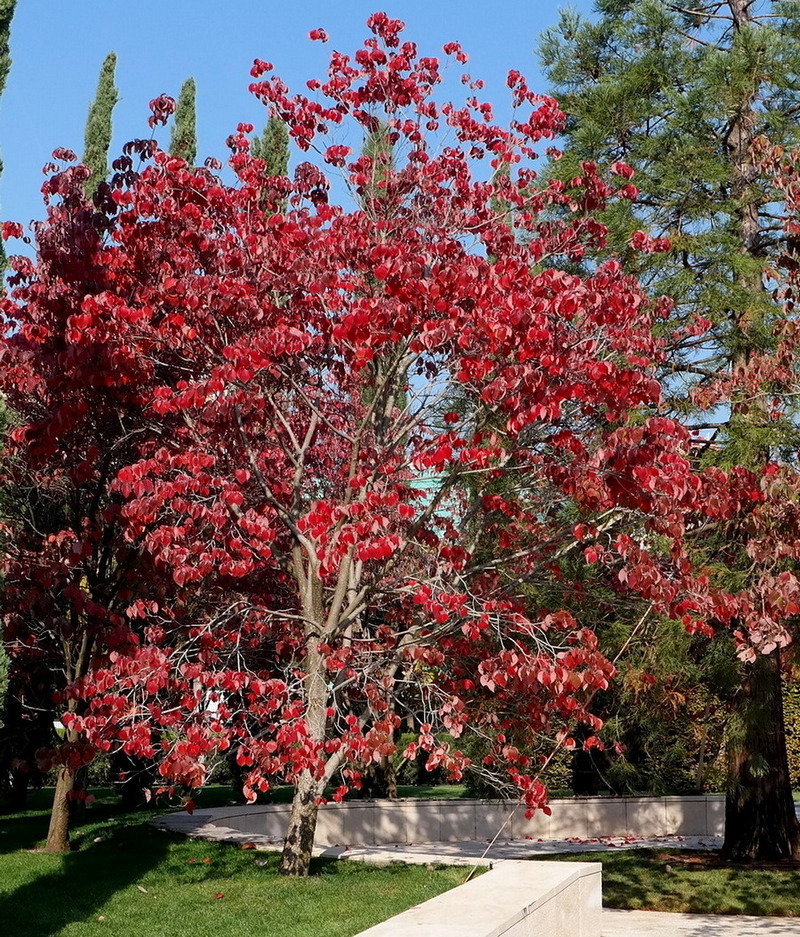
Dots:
(615, 923)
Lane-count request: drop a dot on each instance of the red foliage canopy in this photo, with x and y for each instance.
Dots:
(340, 453)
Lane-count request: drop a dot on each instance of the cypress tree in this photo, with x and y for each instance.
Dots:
(183, 141)
(7, 8)
(97, 139)
(378, 149)
(273, 147)
(682, 95)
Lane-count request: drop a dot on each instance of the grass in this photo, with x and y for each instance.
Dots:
(126, 879)
(655, 880)
(282, 794)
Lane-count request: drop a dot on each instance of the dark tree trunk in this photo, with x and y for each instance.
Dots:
(132, 776)
(390, 774)
(379, 779)
(58, 834)
(18, 789)
(237, 776)
(760, 820)
(77, 806)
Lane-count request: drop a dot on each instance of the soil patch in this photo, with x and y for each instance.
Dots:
(712, 859)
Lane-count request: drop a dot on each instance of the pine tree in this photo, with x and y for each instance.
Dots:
(682, 95)
(273, 147)
(97, 139)
(183, 142)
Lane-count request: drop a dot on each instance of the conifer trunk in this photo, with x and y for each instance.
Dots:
(760, 820)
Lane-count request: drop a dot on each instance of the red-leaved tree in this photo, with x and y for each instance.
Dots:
(77, 419)
(364, 438)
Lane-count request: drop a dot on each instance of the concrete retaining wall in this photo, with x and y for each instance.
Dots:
(376, 823)
(516, 899)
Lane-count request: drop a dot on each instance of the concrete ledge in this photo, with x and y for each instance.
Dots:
(516, 899)
(383, 822)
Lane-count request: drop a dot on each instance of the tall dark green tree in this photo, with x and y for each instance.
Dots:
(7, 8)
(273, 147)
(183, 142)
(380, 152)
(682, 94)
(97, 139)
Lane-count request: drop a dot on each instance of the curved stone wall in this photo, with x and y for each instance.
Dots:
(383, 822)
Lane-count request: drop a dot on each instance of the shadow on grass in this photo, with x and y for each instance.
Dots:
(22, 831)
(627, 879)
(640, 880)
(42, 893)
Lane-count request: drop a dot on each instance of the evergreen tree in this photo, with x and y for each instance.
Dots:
(7, 8)
(682, 95)
(378, 149)
(97, 139)
(183, 142)
(273, 147)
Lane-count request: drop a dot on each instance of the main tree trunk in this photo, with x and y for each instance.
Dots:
(760, 819)
(58, 833)
(299, 842)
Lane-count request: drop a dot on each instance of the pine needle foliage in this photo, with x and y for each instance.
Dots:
(677, 93)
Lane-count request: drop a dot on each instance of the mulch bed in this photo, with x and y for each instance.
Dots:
(711, 859)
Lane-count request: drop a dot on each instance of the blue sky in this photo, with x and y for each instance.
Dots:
(57, 49)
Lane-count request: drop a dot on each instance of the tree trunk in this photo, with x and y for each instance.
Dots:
(299, 842)
(58, 834)
(77, 806)
(391, 777)
(18, 789)
(379, 779)
(296, 856)
(134, 774)
(760, 820)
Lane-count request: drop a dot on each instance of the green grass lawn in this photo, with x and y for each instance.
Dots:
(125, 879)
(654, 880)
(282, 794)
